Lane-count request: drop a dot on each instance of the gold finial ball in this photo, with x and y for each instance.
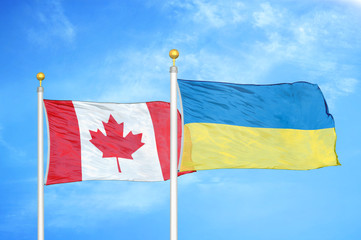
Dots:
(173, 53)
(40, 76)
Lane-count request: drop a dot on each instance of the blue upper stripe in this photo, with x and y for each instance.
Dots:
(299, 105)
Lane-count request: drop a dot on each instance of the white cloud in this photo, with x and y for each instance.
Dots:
(338, 88)
(306, 41)
(218, 15)
(215, 14)
(52, 24)
(18, 220)
(347, 85)
(304, 34)
(188, 180)
(311, 42)
(268, 16)
(353, 2)
(87, 204)
(14, 151)
(230, 196)
(132, 76)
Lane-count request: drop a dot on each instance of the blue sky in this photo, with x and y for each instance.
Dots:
(117, 51)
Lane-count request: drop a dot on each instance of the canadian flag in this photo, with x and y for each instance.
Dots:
(108, 141)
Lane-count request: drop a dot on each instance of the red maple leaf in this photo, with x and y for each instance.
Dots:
(113, 144)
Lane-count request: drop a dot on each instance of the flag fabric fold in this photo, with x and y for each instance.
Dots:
(280, 126)
(108, 141)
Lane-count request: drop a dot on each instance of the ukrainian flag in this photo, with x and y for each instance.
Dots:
(280, 126)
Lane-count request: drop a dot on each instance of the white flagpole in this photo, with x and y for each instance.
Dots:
(40, 76)
(173, 148)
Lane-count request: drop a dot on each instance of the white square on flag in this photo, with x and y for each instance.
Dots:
(136, 118)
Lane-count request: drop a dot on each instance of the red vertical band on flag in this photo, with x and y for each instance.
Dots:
(160, 114)
(65, 149)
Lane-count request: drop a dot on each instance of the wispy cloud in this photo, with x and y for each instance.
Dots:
(267, 16)
(122, 75)
(13, 151)
(19, 220)
(83, 205)
(135, 76)
(311, 45)
(213, 14)
(314, 42)
(245, 197)
(348, 85)
(89, 203)
(338, 88)
(352, 2)
(52, 23)
(317, 43)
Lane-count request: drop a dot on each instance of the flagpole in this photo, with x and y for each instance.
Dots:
(173, 148)
(40, 76)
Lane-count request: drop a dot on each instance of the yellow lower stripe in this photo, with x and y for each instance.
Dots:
(214, 146)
